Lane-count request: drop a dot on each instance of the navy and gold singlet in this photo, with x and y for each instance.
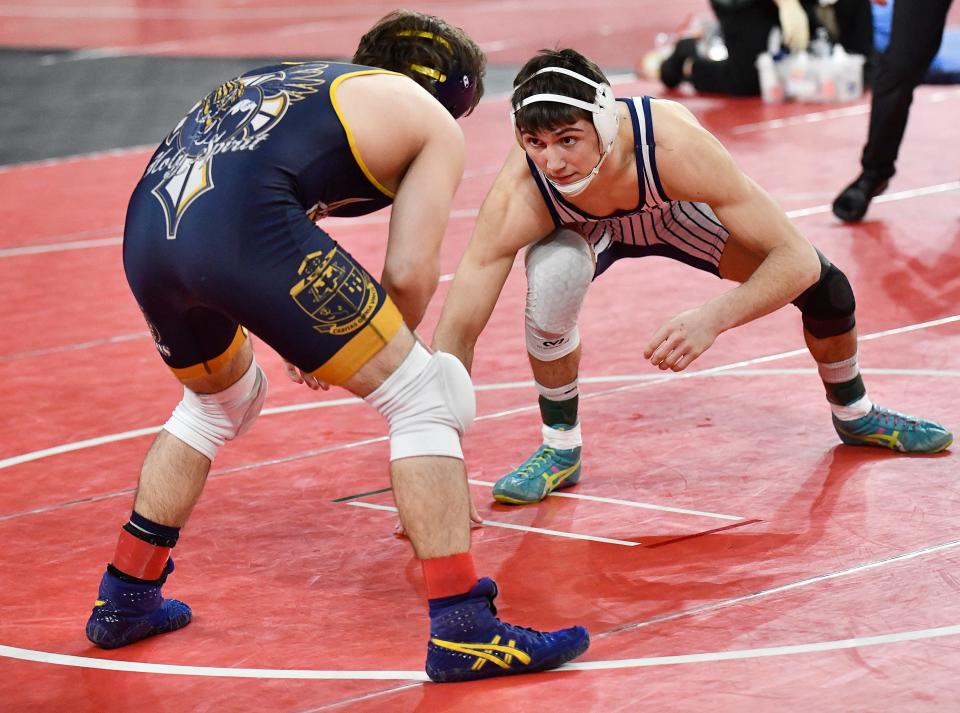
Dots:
(221, 232)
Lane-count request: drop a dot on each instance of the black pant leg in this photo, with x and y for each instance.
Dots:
(915, 36)
(855, 25)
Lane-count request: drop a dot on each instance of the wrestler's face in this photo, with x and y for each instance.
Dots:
(566, 154)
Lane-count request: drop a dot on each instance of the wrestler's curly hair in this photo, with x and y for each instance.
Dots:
(395, 43)
(549, 116)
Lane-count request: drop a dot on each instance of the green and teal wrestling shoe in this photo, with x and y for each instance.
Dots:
(548, 469)
(468, 641)
(885, 428)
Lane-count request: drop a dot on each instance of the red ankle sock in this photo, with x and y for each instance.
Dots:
(138, 558)
(449, 576)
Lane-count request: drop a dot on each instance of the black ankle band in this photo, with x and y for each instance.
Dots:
(123, 576)
(847, 392)
(149, 537)
(555, 413)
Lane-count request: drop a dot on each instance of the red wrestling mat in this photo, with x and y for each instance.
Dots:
(724, 550)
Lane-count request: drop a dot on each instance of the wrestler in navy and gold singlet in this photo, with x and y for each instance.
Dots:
(220, 229)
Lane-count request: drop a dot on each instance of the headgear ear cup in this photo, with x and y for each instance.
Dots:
(455, 88)
(456, 92)
(607, 119)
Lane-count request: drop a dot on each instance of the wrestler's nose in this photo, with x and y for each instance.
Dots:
(555, 160)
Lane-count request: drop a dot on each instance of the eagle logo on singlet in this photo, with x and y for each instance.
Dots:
(333, 290)
(237, 116)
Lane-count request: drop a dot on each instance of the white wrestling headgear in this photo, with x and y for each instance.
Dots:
(606, 119)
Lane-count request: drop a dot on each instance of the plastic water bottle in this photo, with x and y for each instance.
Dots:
(712, 45)
(848, 69)
(771, 89)
(801, 80)
(820, 46)
(775, 43)
(821, 66)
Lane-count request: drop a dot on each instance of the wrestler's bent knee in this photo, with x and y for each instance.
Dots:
(205, 421)
(828, 306)
(429, 403)
(559, 271)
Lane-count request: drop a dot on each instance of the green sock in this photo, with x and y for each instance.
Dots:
(556, 413)
(846, 392)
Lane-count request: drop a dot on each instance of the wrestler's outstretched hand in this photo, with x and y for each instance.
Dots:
(682, 339)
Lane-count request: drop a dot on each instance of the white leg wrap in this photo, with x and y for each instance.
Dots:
(428, 402)
(205, 421)
(564, 440)
(559, 270)
(559, 393)
(839, 371)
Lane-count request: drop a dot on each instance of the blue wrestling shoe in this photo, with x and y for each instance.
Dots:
(885, 428)
(469, 642)
(127, 611)
(539, 475)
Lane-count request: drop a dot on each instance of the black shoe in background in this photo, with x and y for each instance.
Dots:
(852, 203)
(671, 69)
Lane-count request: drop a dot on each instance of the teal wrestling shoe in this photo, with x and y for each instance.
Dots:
(885, 428)
(548, 469)
(468, 641)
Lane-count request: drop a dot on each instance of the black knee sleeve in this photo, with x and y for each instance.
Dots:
(828, 305)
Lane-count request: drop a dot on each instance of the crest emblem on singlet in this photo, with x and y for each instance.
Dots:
(237, 116)
(335, 292)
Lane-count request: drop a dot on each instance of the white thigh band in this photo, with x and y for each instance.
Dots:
(205, 421)
(559, 393)
(559, 270)
(428, 402)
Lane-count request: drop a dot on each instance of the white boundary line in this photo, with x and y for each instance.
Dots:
(634, 379)
(101, 440)
(903, 557)
(377, 675)
(858, 642)
(462, 213)
(628, 503)
(815, 117)
(511, 526)
(886, 198)
(59, 247)
(163, 668)
(76, 346)
(837, 645)
(303, 12)
(916, 635)
(84, 662)
(90, 156)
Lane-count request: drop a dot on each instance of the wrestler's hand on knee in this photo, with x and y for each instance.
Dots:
(475, 521)
(297, 376)
(680, 340)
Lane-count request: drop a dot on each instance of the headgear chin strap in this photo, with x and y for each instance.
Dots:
(606, 120)
(455, 88)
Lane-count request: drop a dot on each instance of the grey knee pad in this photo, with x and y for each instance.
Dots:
(559, 271)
